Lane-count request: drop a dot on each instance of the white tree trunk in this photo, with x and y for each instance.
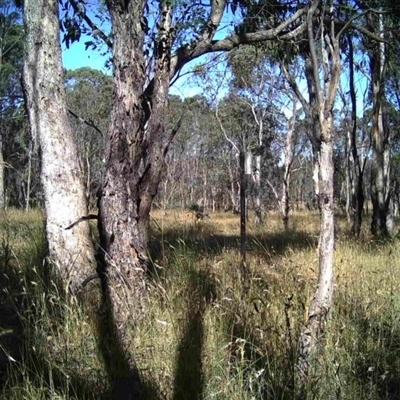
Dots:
(257, 184)
(70, 250)
(312, 335)
(289, 154)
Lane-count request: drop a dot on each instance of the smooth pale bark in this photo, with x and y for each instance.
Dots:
(70, 251)
(234, 187)
(312, 335)
(289, 155)
(257, 183)
(29, 178)
(322, 300)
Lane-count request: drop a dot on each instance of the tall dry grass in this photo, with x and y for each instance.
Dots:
(203, 336)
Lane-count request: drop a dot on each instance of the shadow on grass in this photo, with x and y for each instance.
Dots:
(125, 380)
(189, 377)
(12, 300)
(24, 279)
(264, 375)
(205, 243)
(17, 314)
(375, 360)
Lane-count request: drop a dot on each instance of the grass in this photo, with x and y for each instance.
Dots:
(203, 337)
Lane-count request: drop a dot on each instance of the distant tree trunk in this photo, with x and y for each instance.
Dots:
(234, 196)
(204, 200)
(2, 176)
(257, 184)
(70, 250)
(29, 178)
(382, 220)
(356, 171)
(309, 107)
(349, 177)
(289, 155)
(2, 165)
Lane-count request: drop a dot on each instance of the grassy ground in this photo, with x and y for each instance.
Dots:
(203, 337)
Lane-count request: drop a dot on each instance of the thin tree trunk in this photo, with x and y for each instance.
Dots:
(357, 171)
(29, 178)
(322, 301)
(2, 176)
(349, 176)
(382, 223)
(70, 250)
(257, 184)
(312, 335)
(289, 154)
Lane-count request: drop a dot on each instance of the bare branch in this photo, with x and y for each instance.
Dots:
(84, 218)
(172, 135)
(295, 87)
(313, 53)
(87, 122)
(223, 129)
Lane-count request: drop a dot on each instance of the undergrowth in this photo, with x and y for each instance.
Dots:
(203, 336)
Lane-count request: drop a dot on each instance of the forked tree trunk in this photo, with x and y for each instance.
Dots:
(312, 335)
(70, 251)
(134, 162)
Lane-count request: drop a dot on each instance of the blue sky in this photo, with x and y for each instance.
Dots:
(76, 56)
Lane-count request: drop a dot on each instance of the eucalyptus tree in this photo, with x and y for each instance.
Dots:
(325, 63)
(291, 143)
(325, 36)
(259, 89)
(151, 43)
(357, 145)
(189, 175)
(382, 218)
(11, 43)
(89, 107)
(70, 250)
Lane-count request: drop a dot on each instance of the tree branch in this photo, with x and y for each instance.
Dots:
(223, 129)
(88, 123)
(172, 135)
(90, 23)
(198, 48)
